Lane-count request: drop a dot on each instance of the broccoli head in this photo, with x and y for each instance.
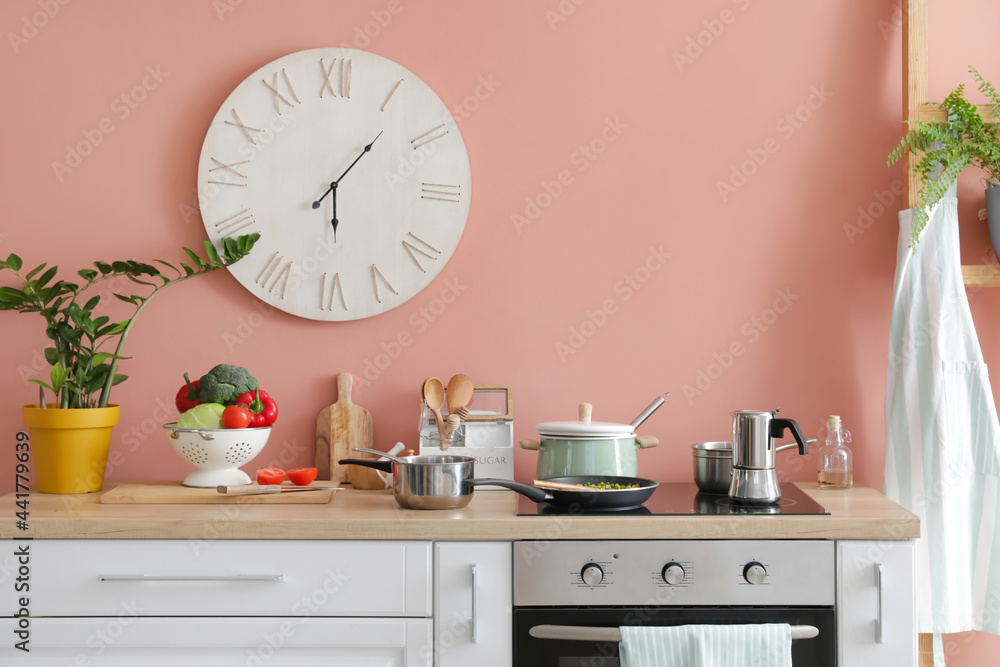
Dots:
(224, 383)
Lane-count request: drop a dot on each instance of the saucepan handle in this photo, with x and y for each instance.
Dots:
(532, 492)
(793, 444)
(646, 441)
(384, 466)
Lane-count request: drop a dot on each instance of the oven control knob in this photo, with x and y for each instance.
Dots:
(673, 573)
(592, 574)
(754, 573)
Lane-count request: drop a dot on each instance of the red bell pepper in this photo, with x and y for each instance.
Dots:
(188, 396)
(261, 406)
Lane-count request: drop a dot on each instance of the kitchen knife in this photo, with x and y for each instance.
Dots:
(250, 490)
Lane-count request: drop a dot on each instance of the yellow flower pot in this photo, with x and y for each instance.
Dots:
(69, 448)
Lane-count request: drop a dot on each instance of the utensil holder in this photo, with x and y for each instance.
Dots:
(487, 433)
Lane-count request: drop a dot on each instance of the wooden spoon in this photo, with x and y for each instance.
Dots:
(434, 398)
(460, 389)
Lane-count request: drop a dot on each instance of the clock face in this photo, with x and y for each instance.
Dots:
(352, 170)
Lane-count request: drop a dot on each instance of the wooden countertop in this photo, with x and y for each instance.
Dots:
(857, 513)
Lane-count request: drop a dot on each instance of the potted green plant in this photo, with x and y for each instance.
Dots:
(84, 352)
(947, 147)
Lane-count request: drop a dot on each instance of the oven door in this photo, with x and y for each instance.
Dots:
(818, 651)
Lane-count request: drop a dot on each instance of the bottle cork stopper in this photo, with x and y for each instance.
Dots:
(833, 422)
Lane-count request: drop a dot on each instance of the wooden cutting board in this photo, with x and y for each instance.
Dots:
(174, 493)
(339, 428)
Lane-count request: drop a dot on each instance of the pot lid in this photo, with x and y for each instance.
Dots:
(584, 428)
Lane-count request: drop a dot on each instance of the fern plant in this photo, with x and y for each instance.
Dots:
(965, 139)
(83, 369)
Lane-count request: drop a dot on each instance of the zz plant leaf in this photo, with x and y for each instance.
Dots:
(84, 368)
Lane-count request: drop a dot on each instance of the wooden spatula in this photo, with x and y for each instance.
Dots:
(339, 428)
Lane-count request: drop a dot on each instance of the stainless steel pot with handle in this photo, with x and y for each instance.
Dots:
(427, 482)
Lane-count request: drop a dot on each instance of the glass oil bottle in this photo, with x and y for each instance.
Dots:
(836, 467)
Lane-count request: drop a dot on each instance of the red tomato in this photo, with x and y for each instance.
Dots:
(302, 476)
(236, 416)
(270, 475)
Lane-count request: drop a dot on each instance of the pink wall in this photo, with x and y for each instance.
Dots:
(770, 266)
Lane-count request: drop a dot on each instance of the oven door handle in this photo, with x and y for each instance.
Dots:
(585, 633)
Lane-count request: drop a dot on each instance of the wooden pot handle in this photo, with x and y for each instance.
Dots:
(529, 444)
(647, 441)
(586, 410)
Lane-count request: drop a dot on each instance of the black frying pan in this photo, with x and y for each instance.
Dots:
(582, 498)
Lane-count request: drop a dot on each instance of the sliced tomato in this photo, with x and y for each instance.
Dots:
(270, 475)
(236, 416)
(302, 476)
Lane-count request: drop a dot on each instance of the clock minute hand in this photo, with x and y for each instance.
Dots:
(366, 149)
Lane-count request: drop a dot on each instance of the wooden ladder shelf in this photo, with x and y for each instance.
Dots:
(916, 107)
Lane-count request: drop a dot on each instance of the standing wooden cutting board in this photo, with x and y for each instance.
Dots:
(339, 428)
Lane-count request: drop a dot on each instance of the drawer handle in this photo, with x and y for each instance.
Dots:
(475, 606)
(191, 577)
(879, 609)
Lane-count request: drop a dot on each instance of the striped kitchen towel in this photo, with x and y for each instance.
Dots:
(755, 645)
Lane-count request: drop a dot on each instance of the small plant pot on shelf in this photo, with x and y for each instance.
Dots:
(69, 447)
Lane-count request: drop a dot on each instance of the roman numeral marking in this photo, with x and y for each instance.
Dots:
(440, 192)
(344, 73)
(327, 303)
(423, 138)
(393, 92)
(376, 274)
(281, 277)
(326, 77)
(412, 250)
(246, 128)
(234, 223)
(278, 97)
(229, 167)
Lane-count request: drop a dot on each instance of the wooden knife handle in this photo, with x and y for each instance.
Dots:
(248, 489)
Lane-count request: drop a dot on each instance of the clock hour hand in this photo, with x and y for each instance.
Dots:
(333, 189)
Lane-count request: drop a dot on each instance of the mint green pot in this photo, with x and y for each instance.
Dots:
(566, 457)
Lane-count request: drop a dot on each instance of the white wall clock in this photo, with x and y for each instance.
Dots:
(352, 170)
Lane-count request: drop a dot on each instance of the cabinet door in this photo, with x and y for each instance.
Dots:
(221, 642)
(472, 604)
(876, 603)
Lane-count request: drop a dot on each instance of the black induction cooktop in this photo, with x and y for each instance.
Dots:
(684, 498)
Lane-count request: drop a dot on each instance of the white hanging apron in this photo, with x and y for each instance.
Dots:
(942, 450)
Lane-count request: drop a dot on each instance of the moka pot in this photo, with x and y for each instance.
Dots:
(755, 480)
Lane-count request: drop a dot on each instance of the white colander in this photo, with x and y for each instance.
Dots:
(217, 453)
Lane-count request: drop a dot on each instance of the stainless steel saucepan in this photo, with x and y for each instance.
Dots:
(428, 481)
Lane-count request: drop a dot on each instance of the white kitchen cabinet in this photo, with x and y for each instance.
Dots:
(222, 642)
(472, 604)
(166, 603)
(876, 603)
